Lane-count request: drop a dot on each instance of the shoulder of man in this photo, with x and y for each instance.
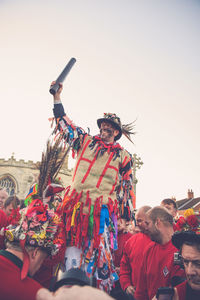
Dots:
(135, 239)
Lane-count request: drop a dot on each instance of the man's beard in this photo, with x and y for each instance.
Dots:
(156, 236)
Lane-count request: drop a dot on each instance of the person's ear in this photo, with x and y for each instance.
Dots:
(34, 253)
(116, 132)
(157, 223)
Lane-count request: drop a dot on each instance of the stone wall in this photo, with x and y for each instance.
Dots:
(23, 174)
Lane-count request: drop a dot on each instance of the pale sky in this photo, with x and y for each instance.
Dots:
(139, 59)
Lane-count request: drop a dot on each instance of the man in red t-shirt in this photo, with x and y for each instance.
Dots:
(11, 263)
(132, 254)
(157, 267)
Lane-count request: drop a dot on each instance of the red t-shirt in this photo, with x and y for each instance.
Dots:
(157, 270)
(3, 223)
(3, 219)
(132, 258)
(11, 285)
(121, 240)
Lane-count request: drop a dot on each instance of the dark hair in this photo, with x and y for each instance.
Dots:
(192, 244)
(125, 215)
(169, 201)
(14, 200)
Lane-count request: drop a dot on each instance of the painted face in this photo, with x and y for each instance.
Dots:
(107, 132)
(171, 209)
(191, 262)
(152, 231)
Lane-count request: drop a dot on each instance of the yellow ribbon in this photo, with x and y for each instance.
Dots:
(74, 212)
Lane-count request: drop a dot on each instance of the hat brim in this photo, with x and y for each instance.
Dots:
(180, 237)
(116, 126)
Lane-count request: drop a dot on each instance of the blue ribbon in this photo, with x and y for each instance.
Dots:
(104, 218)
(71, 132)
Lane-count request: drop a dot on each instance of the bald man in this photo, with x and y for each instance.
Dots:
(157, 266)
(133, 253)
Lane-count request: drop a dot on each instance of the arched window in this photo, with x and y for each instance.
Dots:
(8, 184)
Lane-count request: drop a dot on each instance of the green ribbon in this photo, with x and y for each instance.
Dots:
(91, 221)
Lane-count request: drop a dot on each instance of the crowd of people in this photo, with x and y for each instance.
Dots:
(92, 242)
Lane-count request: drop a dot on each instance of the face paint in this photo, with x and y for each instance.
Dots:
(107, 132)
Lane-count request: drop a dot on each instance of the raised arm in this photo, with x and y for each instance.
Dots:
(71, 133)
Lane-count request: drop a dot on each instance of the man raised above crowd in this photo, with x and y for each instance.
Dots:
(102, 186)
(157, 267)
(133, 253)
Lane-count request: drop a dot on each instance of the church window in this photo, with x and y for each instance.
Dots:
(8, 184)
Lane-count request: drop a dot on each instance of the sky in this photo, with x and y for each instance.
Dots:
(136, 58)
